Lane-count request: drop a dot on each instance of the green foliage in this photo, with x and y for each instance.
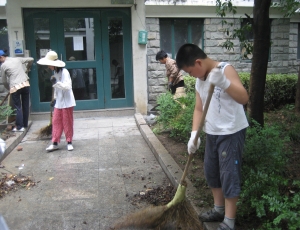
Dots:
(189, 83)
(264, 180)
(288, 7)
(294, 133)
(176, 115)
(280, 89)
(6, 110)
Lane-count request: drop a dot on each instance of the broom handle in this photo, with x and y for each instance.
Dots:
(209, 96)
(4, 99)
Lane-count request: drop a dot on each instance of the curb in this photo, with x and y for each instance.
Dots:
(169, 165)
(12, 142)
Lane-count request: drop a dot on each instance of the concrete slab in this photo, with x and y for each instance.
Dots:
(88, 188)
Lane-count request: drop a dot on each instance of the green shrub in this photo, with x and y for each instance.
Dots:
(280, 89)
(5, 111)
(189, 83)
(264, 183)
(176, 115)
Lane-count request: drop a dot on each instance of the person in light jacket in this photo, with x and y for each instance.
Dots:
(63, 102)
(15, 79)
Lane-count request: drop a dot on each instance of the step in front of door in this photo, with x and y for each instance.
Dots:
(88, 113)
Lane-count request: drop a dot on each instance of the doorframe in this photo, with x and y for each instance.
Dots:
(104, 100)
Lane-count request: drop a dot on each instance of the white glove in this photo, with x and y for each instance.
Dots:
(192, 148)
(218, 79)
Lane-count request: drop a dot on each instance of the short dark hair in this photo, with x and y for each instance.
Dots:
(161, 55)
(188, 54)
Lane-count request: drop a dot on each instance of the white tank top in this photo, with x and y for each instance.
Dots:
(224, 116)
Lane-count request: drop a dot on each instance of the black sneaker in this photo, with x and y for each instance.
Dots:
(211, 216)
(224, 226)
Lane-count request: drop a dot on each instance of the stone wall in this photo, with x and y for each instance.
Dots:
(283, 52)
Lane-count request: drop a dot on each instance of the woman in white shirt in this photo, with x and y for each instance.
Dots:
(64, 101)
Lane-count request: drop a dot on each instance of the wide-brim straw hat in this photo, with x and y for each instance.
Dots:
(51, 59)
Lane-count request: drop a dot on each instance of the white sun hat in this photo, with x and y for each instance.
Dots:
(51, 59)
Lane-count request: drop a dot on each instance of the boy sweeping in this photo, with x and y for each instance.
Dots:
(225, 128)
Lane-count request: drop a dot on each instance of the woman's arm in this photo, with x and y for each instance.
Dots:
(66, 82)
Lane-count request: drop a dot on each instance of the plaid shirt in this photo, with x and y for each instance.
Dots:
(173, 73)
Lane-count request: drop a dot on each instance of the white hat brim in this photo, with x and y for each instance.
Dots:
(57, 63)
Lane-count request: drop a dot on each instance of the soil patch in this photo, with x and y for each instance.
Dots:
(178, 151)
(12, 182)
(161, 195)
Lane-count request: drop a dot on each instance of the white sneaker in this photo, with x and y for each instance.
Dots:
(18, 130)
(52, 148)
(70, 147)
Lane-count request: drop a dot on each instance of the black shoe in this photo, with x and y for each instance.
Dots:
(211, 216)
(224, 226)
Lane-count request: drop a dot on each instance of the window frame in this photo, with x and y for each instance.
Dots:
(189, 32)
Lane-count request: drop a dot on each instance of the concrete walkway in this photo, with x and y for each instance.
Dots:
(89, 187)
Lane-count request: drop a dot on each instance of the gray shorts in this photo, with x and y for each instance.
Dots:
(223, 162)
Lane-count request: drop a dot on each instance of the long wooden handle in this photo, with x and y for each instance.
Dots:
(209, 96)
(4, 99)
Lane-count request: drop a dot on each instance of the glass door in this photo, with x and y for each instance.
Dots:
(80, 47)
(87, 41)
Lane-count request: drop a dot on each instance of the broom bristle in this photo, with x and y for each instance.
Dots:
(146, 218)
(179, 216)
(45, 131)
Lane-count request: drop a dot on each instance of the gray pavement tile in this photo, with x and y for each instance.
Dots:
(88, 188)
(106, 140)
(127, 121)
(104, 133)
(111, 194)
(85, 134)
(125, 131)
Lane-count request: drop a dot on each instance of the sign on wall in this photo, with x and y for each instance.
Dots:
(122, 1)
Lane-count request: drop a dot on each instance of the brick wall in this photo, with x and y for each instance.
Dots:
(283, 54)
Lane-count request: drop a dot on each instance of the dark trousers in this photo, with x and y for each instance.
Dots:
(21, 103)
(179, 84)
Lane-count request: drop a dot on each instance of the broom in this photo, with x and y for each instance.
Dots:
(178, 213)
(47, 130)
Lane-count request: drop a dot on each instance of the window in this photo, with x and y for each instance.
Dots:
(298, 46)
(4, 35)
(246, 35)
(176, 32)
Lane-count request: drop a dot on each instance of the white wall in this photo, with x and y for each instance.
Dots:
(139, 58)
(15, 23)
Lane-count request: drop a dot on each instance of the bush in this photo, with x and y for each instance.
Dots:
(280, 89)
(189, 83)
(5, 111)
(176, 115)
(265, 187)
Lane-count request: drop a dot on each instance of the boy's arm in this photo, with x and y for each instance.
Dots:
(191, 146)
(229, 82)
(236, 89)
(197, 112)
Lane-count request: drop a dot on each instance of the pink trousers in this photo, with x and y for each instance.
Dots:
(62, 121)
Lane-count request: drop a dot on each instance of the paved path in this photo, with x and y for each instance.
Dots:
(87, 188)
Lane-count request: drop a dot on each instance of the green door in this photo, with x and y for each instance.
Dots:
(93, 44)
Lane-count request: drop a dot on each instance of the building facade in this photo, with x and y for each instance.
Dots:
(170, 25)
(101, 40)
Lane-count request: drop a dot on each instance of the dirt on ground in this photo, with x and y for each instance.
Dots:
(11, 182)
(178, 151)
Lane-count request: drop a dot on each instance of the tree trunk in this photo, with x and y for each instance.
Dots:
(261, 46)
(297, 104)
